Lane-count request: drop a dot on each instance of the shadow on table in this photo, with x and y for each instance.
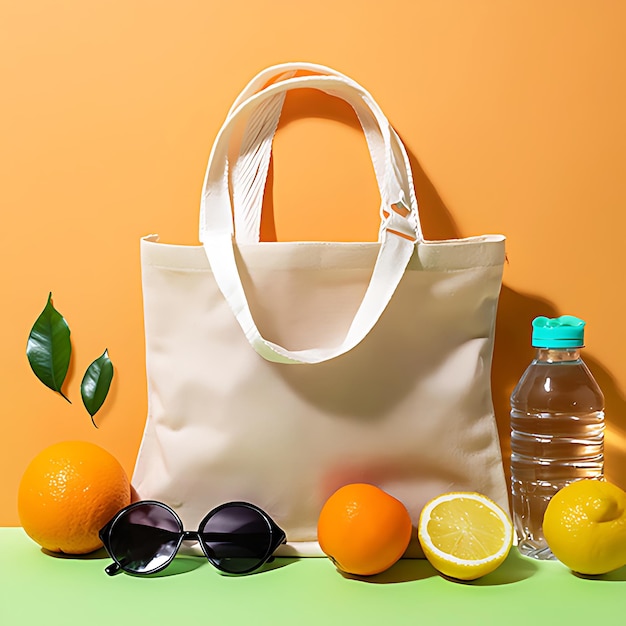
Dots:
(180, 565)
(184, 564)
(97, 554)
(514, 569)
(617, 575)
(405, 570)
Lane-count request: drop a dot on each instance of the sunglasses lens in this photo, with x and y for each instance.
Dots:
(145, 538)
(237, 538)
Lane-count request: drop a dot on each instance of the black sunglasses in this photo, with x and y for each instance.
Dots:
(144, 537)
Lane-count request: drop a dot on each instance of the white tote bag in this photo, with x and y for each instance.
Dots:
(280, 371)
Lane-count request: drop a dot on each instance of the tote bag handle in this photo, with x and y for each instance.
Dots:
(400, 227)
(250, 170)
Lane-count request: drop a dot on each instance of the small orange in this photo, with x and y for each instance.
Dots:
(363, 529)
(67, 493)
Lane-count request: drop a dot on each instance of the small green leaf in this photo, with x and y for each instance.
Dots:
(49, 348)
(96, 384)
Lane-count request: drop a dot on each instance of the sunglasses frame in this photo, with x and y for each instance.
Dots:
(276, 535)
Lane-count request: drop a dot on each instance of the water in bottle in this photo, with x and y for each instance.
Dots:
(557, 427)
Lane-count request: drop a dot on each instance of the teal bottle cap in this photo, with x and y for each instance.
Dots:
(566, 331)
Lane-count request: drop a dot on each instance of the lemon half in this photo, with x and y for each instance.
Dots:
(465, 535)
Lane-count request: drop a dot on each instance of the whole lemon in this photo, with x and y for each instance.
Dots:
(363, 529)
(585, 526)
(68, 493)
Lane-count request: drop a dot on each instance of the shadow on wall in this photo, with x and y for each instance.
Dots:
(615, 411)
(437, 223)
(512, 351)
(512, 354)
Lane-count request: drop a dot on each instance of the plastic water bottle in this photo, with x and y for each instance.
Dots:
(557, 427)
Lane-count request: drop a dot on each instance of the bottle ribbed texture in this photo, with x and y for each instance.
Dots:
(557, 436)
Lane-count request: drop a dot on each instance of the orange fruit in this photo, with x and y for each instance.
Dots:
(363, 529)
(68, 493)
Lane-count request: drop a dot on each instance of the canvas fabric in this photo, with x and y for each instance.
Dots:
(280, 371)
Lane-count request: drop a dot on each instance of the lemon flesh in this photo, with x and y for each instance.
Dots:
(465, 535)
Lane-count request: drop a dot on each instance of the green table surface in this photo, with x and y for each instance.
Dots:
(36, 587)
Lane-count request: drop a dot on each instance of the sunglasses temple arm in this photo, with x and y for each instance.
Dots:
(283, 540)
(113, 569)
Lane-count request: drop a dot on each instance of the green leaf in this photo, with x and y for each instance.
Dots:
(49, 348)
(96, 384)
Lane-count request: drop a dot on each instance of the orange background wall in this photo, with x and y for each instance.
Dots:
(513, 114)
